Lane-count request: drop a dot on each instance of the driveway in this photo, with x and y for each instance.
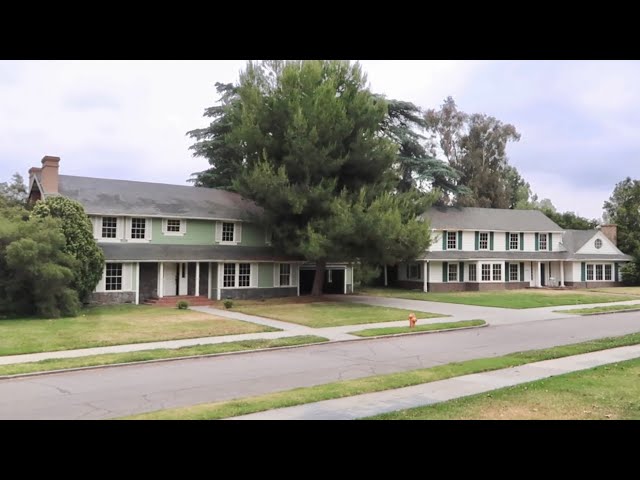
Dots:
(118, 391)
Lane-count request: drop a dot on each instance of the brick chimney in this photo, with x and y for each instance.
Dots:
(610, 231)
(49, 175)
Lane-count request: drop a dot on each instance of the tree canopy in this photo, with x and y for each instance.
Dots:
(623, 209)
(306, 141)
(79, 241)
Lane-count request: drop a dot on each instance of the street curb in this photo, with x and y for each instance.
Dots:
(598, 313)
(209, 355)
(422, 333)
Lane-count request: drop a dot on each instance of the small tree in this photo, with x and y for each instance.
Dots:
(631, 273)
(80, 243)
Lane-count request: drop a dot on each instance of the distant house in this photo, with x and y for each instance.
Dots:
(169, 240)
(492, 249)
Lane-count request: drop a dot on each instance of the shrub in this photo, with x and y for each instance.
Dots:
(183, 305)
(228, 303)
(630, 273)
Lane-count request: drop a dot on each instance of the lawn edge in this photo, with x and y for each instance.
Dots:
(158, 360)
(598, 313)
(486, 324)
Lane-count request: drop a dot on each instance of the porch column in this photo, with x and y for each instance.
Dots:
(424, 276)
(298, 277)
(539, 279)
(197, 292)
(209, 282)
(386, 282)
(219, 280)
(161, 281)
(561, 273)
(345, 280)
(137, 274)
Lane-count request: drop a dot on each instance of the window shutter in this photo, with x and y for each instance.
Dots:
(522, 271)
(237, 232)
(253, 281)
(550, 242)
(583, 275)
(444, 240)
(445, 272)
(507, 272)
(276, 274)
(506, 242)
(521, 241)
(407, 274)
(164, 225)
(148, 225)
(491, 241)
(537, 242)
(477, 240)
(615, 269)
(460, 240)
(294, 275)
(218, 233)
(461, 269)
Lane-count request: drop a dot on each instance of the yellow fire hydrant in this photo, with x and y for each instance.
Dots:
(412, 320)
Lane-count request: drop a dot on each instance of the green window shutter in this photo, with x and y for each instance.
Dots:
(615, 279)
(506, 271)
(407, 277)
(550, 242)
(521, 241)
(537, 244)
(444, 240)
(459, 240)
(506, 241)
(522, 271)
(445, 272)
(491, 241)
(477, 240)
(461, 270)
(583, 270)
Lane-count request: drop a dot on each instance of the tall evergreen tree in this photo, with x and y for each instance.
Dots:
(307, 139)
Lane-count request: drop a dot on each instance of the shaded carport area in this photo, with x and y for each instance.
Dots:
(338, 278)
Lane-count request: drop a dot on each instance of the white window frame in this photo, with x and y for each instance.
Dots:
(245, 276)
(546, 241)
(128, 225)
(493, 272)
(414, 272)
(599, 268)
(455, 241)
(482, 272)
(511, 272)
(236, 275)
(593, 271)
(486, 241)
(473, 272)
(179, 233)
(287, 274)
(513, 236)
(102, 227)
(233, 232)
(229, 276)
(121, 276)
(452, 274)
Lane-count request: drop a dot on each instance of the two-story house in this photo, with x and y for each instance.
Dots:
(491, 249)
(164, 240)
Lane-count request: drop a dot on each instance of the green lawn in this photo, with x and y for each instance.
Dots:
(114, 325)
(329, 314)
(144, 355)
(607, 309)
(527, 298)
(378, 383)
(431, 327)
(606, 392)
(619, 290)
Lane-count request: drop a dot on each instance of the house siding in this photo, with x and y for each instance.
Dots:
(198, 232)
(607, 246)
(265, 275)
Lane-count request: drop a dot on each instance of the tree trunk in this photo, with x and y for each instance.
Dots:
(318, 278)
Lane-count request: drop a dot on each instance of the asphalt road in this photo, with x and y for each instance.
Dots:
(118, 391)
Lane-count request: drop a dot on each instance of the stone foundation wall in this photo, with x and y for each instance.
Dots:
(410, 284)
(476, 286)
(250, 293)
(111, 298)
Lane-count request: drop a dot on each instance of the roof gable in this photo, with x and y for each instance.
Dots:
(589, 245)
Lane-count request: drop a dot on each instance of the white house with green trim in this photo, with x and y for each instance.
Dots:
(164, 240)
(491, 249)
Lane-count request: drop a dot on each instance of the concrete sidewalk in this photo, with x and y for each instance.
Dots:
(361, 406)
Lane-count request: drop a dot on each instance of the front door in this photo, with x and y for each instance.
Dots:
(169, 281)
(184, 278)
(542, 275)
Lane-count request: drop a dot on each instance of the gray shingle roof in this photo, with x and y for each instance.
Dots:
(180, 253)
(499, 219)
(573, 240)
(126, 197)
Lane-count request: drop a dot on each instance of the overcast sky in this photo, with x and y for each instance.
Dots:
(579, 120)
